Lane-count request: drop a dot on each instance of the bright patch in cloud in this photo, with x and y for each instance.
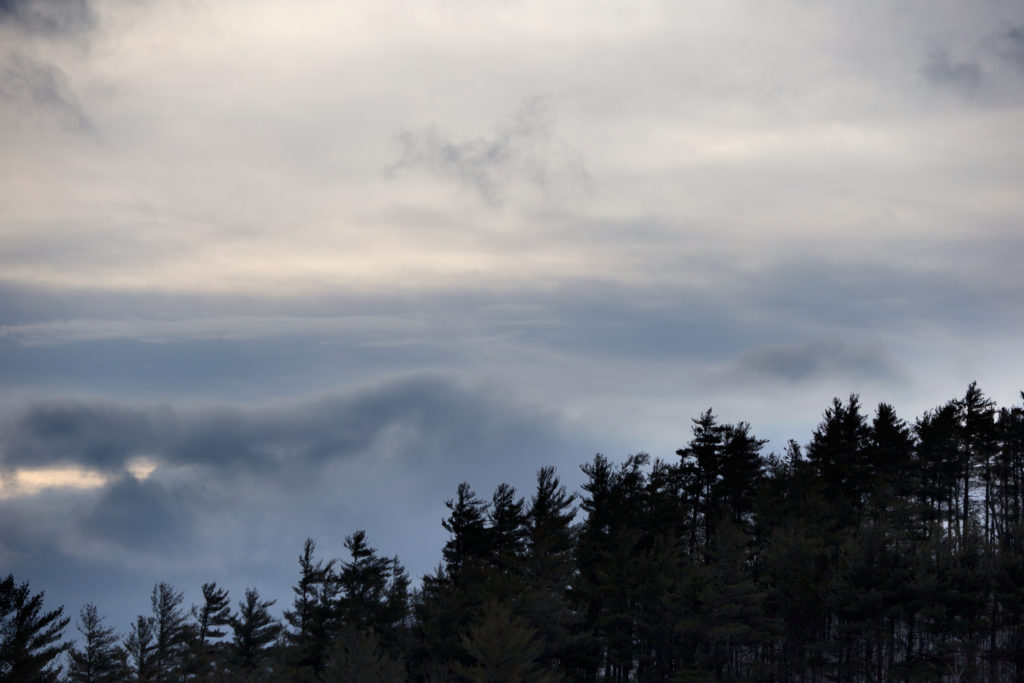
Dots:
(27, 482)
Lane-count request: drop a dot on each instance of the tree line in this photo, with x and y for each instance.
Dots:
(881, 550)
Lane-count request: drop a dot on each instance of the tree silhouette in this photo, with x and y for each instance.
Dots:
(503, 649)
(254, 629)
(170, 632)
(30, 639)
(139, 647)
(311, 613)
(210, 618)
(99, 660)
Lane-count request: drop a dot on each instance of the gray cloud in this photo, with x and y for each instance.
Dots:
(817, 359)
(49, 17)
(521, 149)
(415, 417)
(1011, 46)
(141, 516)
(941, 69)
(34, 86)
(234, 348)
(93, 434)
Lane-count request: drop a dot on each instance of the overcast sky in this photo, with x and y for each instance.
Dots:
(271, 270)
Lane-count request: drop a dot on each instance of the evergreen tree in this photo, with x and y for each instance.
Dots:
(507, 527)
(30, 639)
(469, 546)
(732, 609)
(837, 452)
(548, 569)
(503, 649)
(890, 456)
(253, 629)
(210, 619)
(610, 557)
(797, 571)
(374, 591)
(357, 657)
(139, 647)
(170, 632)
(439, 611)
(741, 473)
(939, 466)
(701, 469)
(978, 444)
(451, 596)
(312, 611)
(98, 660)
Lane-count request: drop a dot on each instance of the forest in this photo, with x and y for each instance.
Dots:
(880, 550)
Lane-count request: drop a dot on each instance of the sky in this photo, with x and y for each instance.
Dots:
(274, 270)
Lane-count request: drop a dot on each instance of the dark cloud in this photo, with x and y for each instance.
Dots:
(98, 435)
(1011, 46)
(39, 87)
(141, 516)
(418, 417)
(817, 359)
(833, 297)
(49, 17)
(522, 149)
(941, 69)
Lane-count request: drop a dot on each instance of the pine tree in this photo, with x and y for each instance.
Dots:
(30, 639)
(700, 470)
(374, 591)
(732, 606)
(454, 593)
(507, 530)
(548, 569)
(741, 473)
(98, 661)
(939, 465)
(312, 611)
(357, 657)
(978, 441)
(469, 547)
(610, 556)
(890, 451)
(254, 629)
(837, 453)
(210, 618)
(170, 632)
(139, 647)
(503, 649)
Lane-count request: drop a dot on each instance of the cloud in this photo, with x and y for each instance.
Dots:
(34, 86)
(522, 149)
(96, 435)
(815, 360)
(417, 417)
(179, 347)
(49, 17)
(1011, 46)
(141, 516)
(941, 69)
(170, 331)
